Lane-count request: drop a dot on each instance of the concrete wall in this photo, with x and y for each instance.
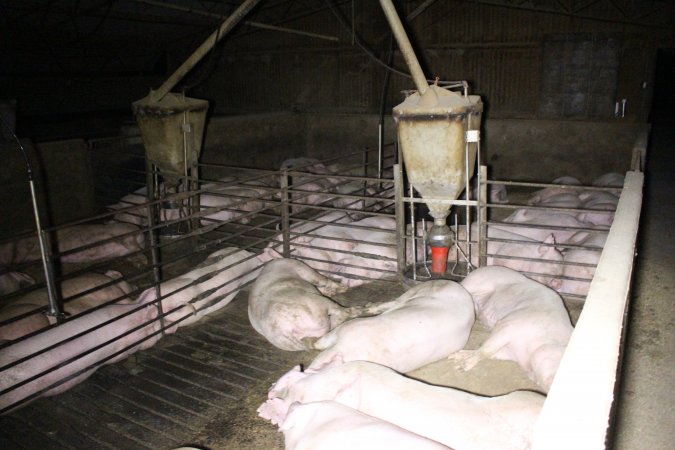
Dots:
(541, 150)
(63, 184)
(514, 149)
(255, 140)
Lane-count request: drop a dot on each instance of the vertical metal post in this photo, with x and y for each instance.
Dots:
(380, 148)
(400, 220)
(482, 218)
(53, 298)
(150, 179)
(364, 190)
(413, 222)
(472, 137)
(53, 306)
(285, 215)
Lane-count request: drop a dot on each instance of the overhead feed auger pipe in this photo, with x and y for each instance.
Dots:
(203, 49)
(404, 44)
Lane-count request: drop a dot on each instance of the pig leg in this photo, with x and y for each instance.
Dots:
(495, 347)
(325, 285)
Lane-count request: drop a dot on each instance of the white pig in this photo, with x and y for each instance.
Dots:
(74, 292)
(563, 200)
(584, 256)
(56, 354)
(121, 239)
(136, 216)
(450, 416)
(560, 224)
(604, 204)
(13, 281)
(320, 236)
(231, 201)
(329, 425)
(209, 287)
(287, 305)
(425, 324)
(528, 321)
(611, 179)
(540, 261)
(542, 196)
(567, 180)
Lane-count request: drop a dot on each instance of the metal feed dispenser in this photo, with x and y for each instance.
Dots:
(439, 158)
(172, 130)
(172, 125)
(438, 134)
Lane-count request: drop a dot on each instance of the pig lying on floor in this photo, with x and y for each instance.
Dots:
(425, 324)
(452, 417)
(13, 281)
(79, 294)
(328, 425)
(287, 305)
(102, 242)
(56, 368)
(210, 286)
(528, 321)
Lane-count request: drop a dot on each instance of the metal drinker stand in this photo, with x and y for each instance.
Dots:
(438, 133)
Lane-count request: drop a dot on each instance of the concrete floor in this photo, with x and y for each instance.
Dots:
(644, 416)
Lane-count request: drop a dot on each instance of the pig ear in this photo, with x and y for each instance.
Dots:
(269, 254)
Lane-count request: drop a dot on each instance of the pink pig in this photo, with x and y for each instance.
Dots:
(450, 416)
(76, 298)
(328, 425)
(287, 305)
(528, 321)
(425, 324)
(121, 239)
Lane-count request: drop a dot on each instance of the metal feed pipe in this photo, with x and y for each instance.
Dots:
(203, 49)
(404, 44)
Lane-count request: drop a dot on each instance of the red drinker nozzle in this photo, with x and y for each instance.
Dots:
(439, 259)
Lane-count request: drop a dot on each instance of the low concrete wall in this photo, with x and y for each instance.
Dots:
(577, 411)
(542, 150)
(256, 140)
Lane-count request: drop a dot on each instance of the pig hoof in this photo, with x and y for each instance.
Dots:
(332, 289)
(465, 359)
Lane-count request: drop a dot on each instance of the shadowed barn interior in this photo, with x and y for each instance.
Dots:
(568, 88)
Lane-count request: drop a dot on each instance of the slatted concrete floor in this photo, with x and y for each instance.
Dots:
(200, 386)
